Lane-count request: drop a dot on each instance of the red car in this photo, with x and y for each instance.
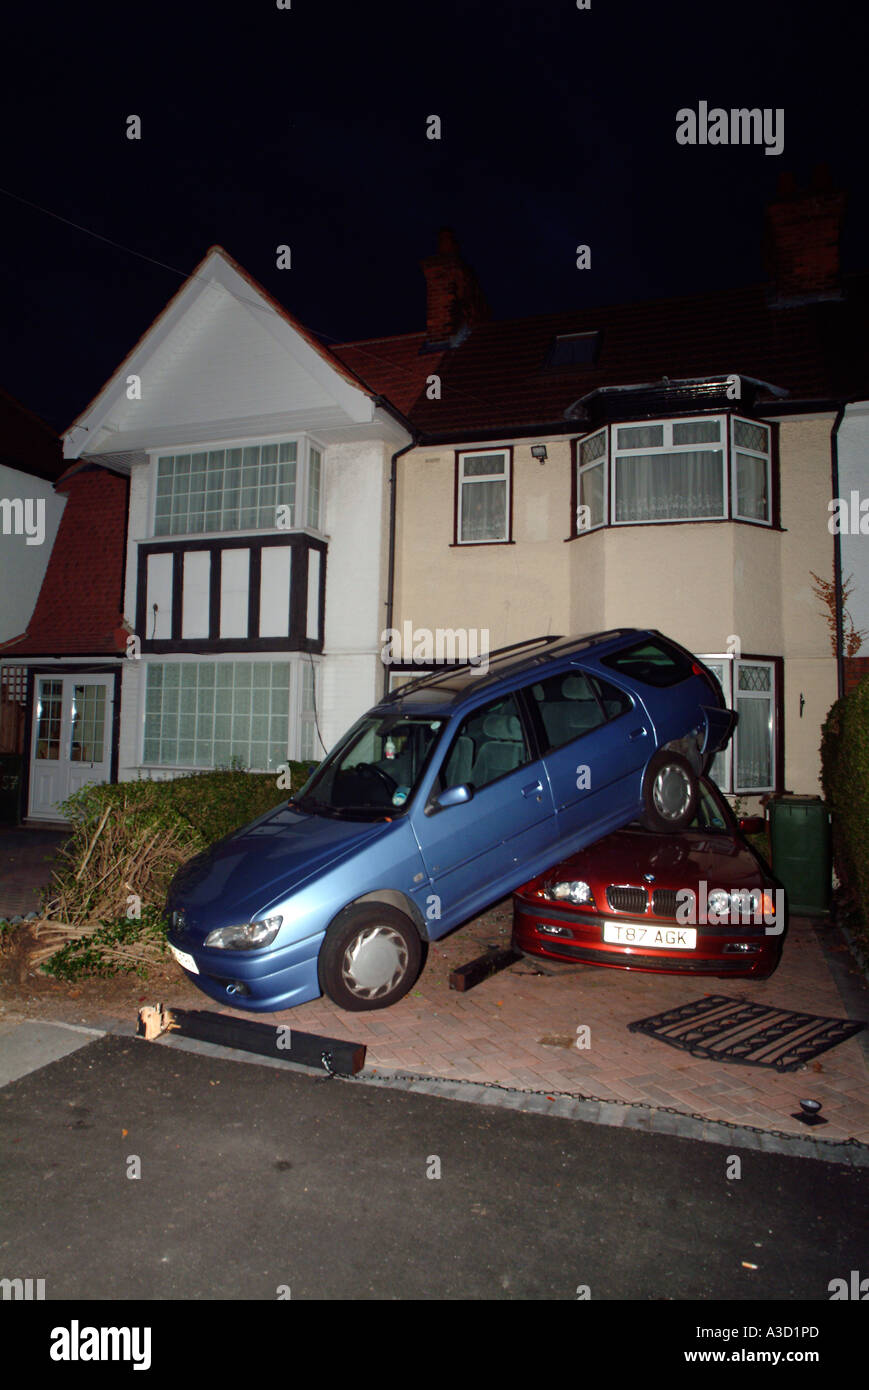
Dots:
(699, 902)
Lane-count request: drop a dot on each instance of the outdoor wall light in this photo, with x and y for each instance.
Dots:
(538, 451)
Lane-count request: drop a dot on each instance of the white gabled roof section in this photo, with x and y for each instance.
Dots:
(222, 361)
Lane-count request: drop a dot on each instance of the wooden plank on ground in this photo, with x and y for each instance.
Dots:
(265, 1039)
(495, 959)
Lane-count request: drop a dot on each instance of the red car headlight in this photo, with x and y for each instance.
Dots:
(574, 891)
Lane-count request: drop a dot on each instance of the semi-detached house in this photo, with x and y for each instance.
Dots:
(249, 513)
(226, 522)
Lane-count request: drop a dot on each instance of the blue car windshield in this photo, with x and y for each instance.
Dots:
(375, 771)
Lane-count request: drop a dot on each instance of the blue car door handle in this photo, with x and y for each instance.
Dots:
(533, 789)
(635, 734)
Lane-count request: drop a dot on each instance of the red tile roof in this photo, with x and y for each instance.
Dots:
(396, 368)
(79, 606)
(497, 380)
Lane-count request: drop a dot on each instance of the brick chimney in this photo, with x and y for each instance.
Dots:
(803, 227)
(454, 300)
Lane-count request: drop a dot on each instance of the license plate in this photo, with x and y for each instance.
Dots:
(659, 938)
(184, 959)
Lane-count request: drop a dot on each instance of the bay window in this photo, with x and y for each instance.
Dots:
(207, 714)
(591, 491)
(710, 468)
(751, 460)
(238, 489)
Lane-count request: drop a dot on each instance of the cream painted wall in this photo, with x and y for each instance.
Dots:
(515, 591)
(854, 477)
(650, 578)
(704, 585)
(807, 545)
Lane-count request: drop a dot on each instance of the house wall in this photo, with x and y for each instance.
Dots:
(356, 520)
(807, 546)
(23, 565)
(854, 477)
(715, 587)
(515, 591)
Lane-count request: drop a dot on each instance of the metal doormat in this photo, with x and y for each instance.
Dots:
(756, 1035)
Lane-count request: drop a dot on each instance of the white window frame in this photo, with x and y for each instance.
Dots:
(505, 475)
(303, 442)
(582, 468)
(293, 659)
(731, 665)
(726, 445)
(669, 448)
(752, 453)
(770, 697)
(317, 523)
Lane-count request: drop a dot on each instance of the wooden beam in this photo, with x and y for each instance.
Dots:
(495, 959)
(331, 1055)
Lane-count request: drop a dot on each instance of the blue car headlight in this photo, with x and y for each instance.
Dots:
(248, 936)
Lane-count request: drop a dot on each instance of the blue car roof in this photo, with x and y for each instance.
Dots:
(447, 688)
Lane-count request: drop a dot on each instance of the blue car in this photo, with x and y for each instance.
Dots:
(454, 790)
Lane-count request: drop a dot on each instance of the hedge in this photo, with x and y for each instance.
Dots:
(845, 778)
(104, 911)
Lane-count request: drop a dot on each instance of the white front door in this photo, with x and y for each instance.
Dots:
(72, 739)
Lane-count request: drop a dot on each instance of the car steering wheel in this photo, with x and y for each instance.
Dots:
(378, 772)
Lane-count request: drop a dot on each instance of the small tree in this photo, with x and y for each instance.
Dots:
(852, 636)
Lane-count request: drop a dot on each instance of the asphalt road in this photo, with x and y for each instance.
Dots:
(257, 1183)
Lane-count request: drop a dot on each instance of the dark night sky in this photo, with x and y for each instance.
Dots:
(307, 127)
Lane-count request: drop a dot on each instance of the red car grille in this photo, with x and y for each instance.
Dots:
(664, 902)
(622, 899)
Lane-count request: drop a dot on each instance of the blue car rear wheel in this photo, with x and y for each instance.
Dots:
(669, 792)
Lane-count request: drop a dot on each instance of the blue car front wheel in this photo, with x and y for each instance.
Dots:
(370, 958)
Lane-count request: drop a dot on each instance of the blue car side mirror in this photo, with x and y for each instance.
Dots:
(453, 796)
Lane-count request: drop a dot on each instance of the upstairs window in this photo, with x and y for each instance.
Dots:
(239, 489)
(751, 471)
(591, 489)
(712, 468)
(669, 471)
(315, 459)
(574, 349)
(483, 488)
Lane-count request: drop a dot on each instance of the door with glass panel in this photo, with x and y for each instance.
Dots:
(72, 723)
(748, 763)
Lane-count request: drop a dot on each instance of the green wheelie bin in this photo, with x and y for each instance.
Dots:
(801, 850)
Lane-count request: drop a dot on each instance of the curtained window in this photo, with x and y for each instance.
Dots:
(748, 762)
(484, 497)
(712, 468)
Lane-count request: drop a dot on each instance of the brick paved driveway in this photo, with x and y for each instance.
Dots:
(519, 1029)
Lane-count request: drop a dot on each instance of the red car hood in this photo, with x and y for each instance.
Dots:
(677, 861)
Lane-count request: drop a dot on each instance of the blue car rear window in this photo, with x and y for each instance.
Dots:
(652, 661)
